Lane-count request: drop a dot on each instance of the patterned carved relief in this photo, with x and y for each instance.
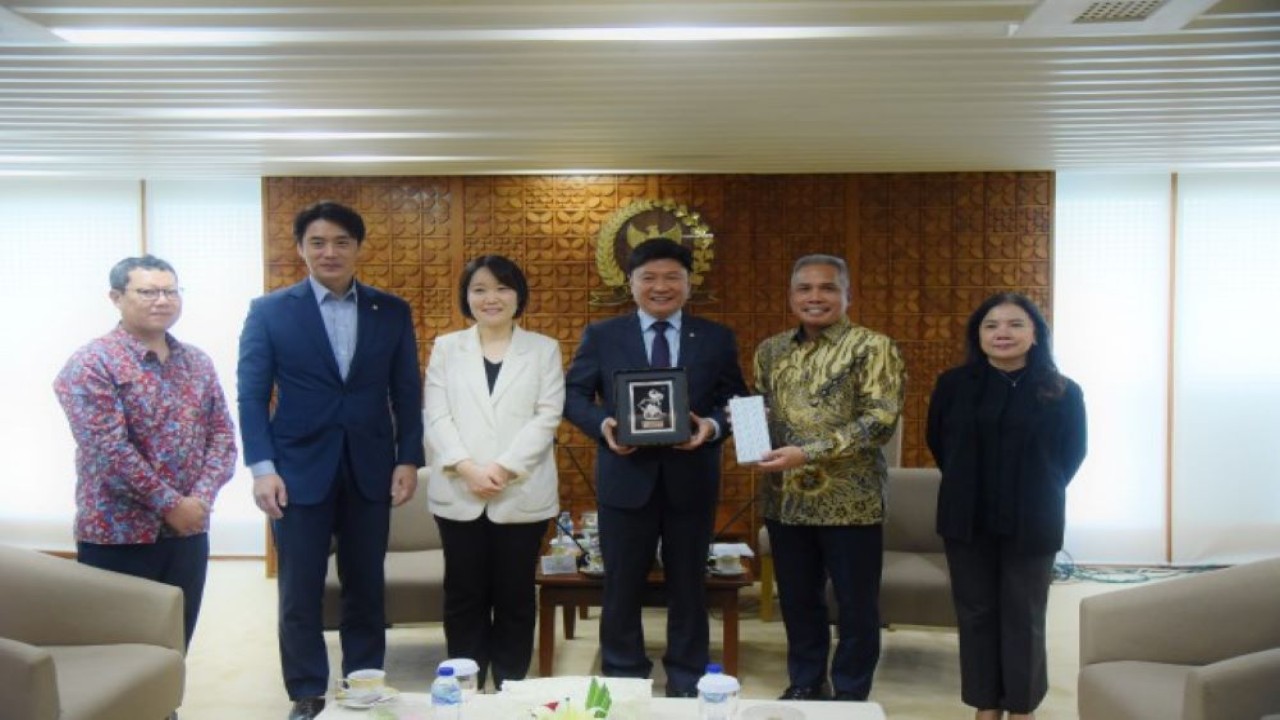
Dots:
(926, 249)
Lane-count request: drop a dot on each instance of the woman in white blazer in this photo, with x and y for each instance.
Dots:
(494, 394)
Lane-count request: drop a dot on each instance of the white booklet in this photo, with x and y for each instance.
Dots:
(750, 428)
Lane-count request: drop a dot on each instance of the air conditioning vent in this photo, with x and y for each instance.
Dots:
(1094, 18)
(1108, 12)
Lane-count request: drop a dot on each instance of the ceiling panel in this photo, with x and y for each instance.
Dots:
(293, 87)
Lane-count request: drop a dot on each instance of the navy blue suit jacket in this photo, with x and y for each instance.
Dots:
(709, 355)
(376, 411)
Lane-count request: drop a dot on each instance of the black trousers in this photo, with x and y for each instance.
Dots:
(303, 536)
(490, 609)
(629, 542)
(179, 561)
(804, 556)
(1001, 596)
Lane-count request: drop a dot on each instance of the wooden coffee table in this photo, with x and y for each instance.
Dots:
(571, 592)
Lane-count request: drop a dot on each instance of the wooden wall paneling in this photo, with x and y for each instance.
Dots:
(923, 249)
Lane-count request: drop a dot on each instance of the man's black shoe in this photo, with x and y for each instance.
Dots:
(803, 693)
(846, 696)
(307, 708)
(675, 693)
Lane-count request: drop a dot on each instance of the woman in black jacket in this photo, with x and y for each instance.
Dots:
(1008, 432)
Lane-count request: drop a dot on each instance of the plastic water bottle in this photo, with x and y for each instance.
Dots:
(565, 523)
(446, 696)
(465, 671)
(717, 694)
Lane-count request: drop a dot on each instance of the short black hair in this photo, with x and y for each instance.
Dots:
(336, 213)
(505, 270)
(119, 275)
(659, 249)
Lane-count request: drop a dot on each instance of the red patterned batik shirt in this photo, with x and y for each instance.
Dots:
(147, 434)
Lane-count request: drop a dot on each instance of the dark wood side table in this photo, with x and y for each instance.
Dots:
(576, 591)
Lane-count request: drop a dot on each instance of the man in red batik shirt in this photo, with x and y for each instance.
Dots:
(154, 439)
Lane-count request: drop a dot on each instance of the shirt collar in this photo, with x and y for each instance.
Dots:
(647, 320)
(139, 349)
(831, 333)
(321, 292)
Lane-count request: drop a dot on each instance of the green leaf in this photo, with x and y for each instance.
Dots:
(599, 698)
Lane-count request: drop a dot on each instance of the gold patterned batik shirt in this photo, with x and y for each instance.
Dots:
(837, 397)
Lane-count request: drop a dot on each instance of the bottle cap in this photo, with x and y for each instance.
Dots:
(713, 668)
(444, 671)
(718, 683)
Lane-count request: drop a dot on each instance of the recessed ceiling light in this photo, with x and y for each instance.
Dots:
(656, 33)
(375, 159)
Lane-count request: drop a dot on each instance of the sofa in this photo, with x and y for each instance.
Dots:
(79, 643)
(915, 587)
(414, 568)
(1204, 647)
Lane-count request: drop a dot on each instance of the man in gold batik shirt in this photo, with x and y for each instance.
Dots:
(834, 391)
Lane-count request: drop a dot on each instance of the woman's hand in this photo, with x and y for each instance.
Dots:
(484, 481)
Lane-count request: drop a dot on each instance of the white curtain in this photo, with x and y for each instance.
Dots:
(63, 237)
(211, 232)
(1216, 410)
(1226, 363)
(1111, 310)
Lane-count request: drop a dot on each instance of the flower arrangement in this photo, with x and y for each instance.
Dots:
(595, 707)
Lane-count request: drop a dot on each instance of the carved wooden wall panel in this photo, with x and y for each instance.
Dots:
(924, 250)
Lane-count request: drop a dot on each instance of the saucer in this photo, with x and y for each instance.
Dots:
(591, 572)
(728, 573)
(770, 711)
(364, 702)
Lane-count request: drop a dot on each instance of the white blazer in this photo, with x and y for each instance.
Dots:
(514, 426)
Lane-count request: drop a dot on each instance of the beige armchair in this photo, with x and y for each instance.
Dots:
(1205, 647)
(414, 567)
(78, 643)
(915, 588)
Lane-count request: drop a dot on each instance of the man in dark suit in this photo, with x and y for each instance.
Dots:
(341, 448)
(656, 492)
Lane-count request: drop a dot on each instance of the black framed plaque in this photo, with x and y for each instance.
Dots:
(653, 406)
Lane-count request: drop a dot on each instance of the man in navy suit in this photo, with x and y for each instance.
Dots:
(656, 492)
(341, 448)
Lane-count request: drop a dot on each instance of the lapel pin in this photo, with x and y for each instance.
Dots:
(375, 307)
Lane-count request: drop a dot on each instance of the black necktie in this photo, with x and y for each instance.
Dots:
(660, 356)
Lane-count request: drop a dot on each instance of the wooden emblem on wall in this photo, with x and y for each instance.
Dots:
(643, 220)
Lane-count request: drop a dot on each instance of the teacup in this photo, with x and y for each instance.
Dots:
(564, 546)
(362, 684)
(728, 564)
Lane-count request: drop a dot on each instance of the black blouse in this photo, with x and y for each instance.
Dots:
(491, 372)
(997, 463)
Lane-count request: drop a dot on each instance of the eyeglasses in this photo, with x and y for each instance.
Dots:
(154, 294)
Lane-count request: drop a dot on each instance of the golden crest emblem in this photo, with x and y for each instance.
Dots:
(643, 220)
